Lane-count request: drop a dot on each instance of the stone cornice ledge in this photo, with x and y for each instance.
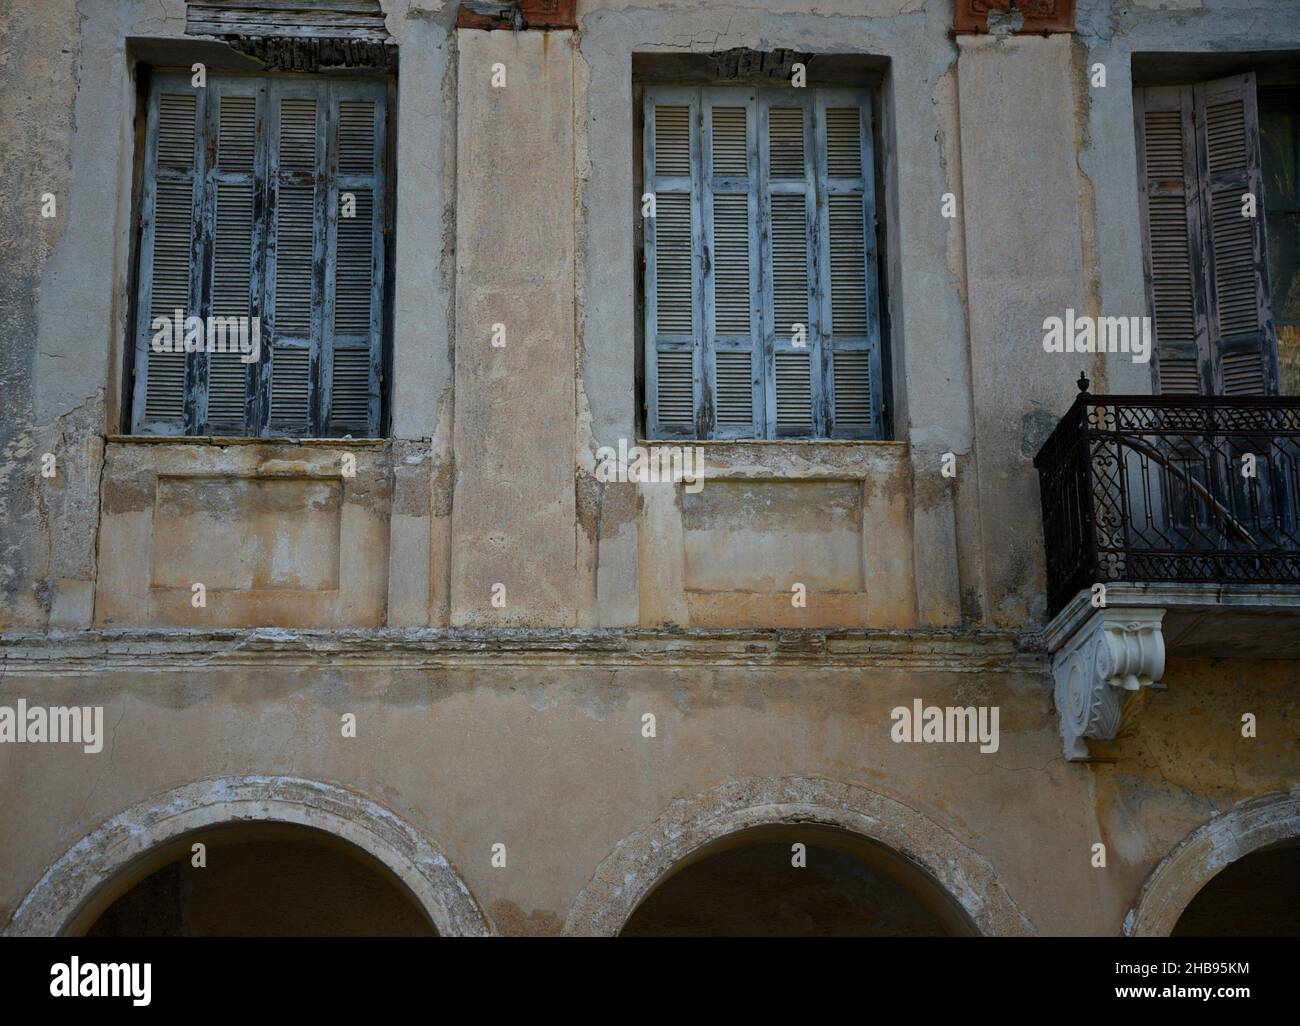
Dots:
(1175, 596)
(66, 652)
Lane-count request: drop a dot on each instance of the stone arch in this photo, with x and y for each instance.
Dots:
(81, 883)
(640, 861)
(1247, 827)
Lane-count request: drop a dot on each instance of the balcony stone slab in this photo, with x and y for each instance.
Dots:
(1101, 655)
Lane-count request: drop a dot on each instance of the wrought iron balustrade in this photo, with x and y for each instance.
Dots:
(1171, 488)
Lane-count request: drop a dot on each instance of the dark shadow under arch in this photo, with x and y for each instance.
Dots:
(746, 884)
(690, 825)
(1258, 895)
(257, 880)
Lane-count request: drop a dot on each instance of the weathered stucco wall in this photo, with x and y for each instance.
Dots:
(275, 535)
(577, 776)
(516, 206)
(45, 568)
(1045, 224)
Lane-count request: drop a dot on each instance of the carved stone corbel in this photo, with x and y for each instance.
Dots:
(1116, 651)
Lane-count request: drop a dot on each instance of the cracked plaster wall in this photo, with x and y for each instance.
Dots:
(65, 82)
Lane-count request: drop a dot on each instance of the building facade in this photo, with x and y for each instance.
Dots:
(655, 468)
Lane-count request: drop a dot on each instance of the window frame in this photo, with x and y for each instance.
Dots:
(1212, 343)
(758, 97)
(268, 87)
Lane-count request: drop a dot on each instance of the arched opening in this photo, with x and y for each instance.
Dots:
(747, 884)
(78, 887)
(1235, 875)
(1258, 895)
(258, 880)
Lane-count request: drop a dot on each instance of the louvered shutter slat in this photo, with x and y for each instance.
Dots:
(353, 268)
(674, 280)
(354, 264)
(1241, 326)
(160, 396)
(297, 134)
(789, 263)
(350, 391)
(295, 227)
(236, 135)
(176, 129)
(295, 218)
(730, 199)
(1225, 132)
(229, 300)
(853, 411)
(848, 311)
(848, 267)
(356, 137)
(672, 136)
(786, 142)
(844, 142)
(1243, 374)
(735, 393)
(793, 392)
(731, 263)
(1234, 278)
(676, 393)
(730, 141)
(1169, 193)
(671, 316)
(231, 280)
(289, 394)
(298, 245)
(173, 231)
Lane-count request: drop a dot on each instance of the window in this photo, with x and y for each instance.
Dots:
(263, 213)
(761, 290)
(1207, 277)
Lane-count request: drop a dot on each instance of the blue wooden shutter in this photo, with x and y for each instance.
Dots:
(1172, 222)
(762, 304)
(246, 185)
(354, 264)
(325, 269)
(791, 271)
(732, 400)
(1241, 319)
(674, 294)
(295, 255)
(231, 230)
(1206, 264)
(849, 317)
(168, 279)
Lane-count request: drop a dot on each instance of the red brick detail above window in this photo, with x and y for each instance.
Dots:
(1039, 15)
(519, 14)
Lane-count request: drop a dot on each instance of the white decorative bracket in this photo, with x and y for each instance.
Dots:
(1114, 652)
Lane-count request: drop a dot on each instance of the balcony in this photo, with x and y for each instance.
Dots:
(1172, 524)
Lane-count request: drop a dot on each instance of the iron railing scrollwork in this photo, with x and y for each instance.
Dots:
(1171, 488)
